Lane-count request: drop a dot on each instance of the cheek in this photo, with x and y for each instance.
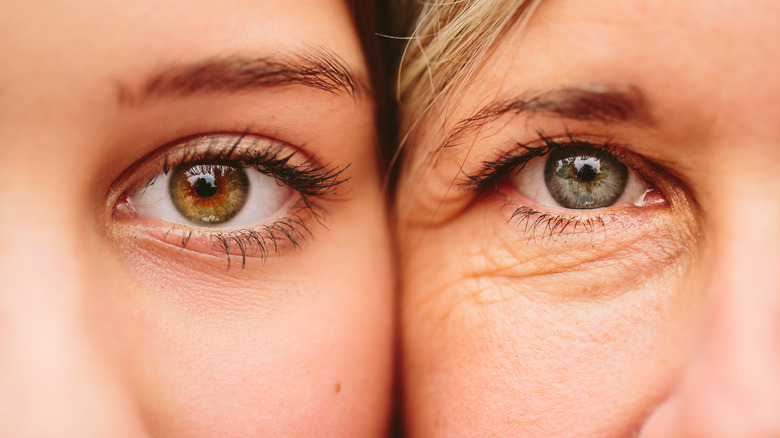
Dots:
(539, 338)
(297, 345)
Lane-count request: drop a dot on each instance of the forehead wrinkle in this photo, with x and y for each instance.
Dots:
(583, 103)
(315, 68)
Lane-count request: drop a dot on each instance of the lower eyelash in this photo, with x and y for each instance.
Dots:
(537, 224)
(260, 242)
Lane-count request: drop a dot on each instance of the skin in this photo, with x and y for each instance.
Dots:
(111, 329)
(663, 322)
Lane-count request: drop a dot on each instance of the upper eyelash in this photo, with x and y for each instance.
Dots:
(506, 164)
(311, 179)
(509, 164)
(308, 178)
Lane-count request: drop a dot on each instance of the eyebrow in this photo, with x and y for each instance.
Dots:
(586, 103)
(315, 68)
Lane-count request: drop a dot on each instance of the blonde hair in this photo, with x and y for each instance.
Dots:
(448, 46)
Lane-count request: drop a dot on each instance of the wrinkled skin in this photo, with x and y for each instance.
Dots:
(653, 320)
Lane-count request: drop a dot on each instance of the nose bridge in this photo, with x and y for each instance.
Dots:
(732, 386)
(55, 379)
(744, 284)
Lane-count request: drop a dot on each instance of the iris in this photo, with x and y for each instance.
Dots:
(208, 192)
(583, 177)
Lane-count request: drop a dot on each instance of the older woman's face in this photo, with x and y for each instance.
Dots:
(193, 240)
(590, 233)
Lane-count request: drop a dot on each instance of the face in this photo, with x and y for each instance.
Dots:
(589, 233)
(194, 240)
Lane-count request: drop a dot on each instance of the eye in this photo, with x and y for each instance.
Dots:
(230, 193)
(211, 193)
(581, 177)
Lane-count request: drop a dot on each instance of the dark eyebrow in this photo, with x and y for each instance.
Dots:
(315, 68)
(588, 103)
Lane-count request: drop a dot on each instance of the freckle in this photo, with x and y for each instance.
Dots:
(338, 387)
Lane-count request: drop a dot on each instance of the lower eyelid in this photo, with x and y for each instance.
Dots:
(234, 246)
(538, 224)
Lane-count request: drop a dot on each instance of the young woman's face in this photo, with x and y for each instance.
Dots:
(194, 239)
(591, 238)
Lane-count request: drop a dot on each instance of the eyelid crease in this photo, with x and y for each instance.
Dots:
(585, 103)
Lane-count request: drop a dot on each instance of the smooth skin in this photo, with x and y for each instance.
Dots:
(108, 327)
(660, 321)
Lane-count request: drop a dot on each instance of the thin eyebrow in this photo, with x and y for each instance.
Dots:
(587, 103)
(315, 68)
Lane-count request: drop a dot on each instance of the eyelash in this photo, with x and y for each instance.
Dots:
(509, 164)
(314, 183)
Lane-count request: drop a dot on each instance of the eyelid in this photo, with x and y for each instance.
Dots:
(246, 149)
(510, 163)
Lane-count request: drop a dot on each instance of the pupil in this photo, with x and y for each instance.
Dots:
(587, 173)
(205, 186)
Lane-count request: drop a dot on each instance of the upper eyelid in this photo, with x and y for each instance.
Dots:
(507, 163)
(158, 158)
(508, 159)
(215, 145)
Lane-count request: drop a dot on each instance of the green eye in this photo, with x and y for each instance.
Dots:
(583, 177)
(208, 193)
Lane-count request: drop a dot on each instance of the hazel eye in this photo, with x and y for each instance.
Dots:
(208, 193)
(581, 177)
(211, 193)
